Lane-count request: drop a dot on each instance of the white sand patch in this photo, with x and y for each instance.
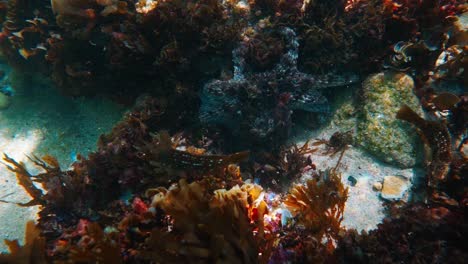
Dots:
(364, 207)
(13, 218)
(40, 121)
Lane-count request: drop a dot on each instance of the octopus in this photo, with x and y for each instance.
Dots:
(259, 105)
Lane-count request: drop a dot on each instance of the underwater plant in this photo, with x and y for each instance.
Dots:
(205, 227)
(438, 138)
(33, 250)
(318, 207)
(277, 170)
(415, 233)
(319, 204)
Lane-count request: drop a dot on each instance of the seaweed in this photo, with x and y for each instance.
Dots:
(277, 170)
(415, 233)
(33, 250)
(157, 190)
(25, 179)
(319, 204)
(205, 227)
(95, 246)
(436, 136)
(317, 207)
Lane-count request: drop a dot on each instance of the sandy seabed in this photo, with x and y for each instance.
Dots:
(40, 121)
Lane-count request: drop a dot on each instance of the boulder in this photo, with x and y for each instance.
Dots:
(379, 132)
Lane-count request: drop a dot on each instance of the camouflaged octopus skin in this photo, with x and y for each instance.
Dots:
(260, 103)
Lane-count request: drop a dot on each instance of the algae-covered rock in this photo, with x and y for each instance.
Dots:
(389, 139)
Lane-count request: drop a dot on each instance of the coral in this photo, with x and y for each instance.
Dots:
(378, 130)
(335, 38)
(159, 187)
(94, 184)
(257, 107)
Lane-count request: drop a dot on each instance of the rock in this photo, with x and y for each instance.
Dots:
(352, 181)
(394, 187)
(4, 101)
(379, 132)
(377, 186)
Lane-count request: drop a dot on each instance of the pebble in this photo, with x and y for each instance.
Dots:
(377, 186)
(394, 187)
(352, 181)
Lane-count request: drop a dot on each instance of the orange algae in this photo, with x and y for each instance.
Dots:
(319, 204)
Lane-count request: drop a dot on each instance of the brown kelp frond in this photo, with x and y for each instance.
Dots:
(65, 191)
(437, 137)
(47, 162)
(408, 114)
(206, 228)
(25, 179)
(319, 204)
(33, 251)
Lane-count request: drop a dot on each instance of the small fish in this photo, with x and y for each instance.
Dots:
(437, 137)
(73, 156)
(26, 54)
(167, 154)
(446, 101)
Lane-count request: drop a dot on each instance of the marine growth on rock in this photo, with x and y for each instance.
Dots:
(257, 105)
